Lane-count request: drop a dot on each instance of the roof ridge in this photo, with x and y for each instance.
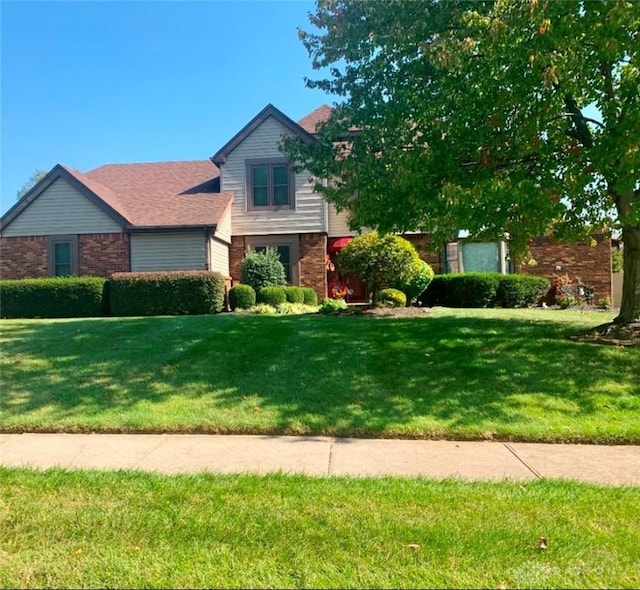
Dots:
(155, 163)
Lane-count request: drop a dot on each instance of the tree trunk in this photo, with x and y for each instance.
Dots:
(630, 306)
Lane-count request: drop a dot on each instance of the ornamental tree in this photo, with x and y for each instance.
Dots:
(510, 117)
(379, 260)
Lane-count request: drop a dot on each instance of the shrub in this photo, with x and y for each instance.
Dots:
(422, 276)
(379, 260)
(166, 293)
(566, 291)
(605, 303)
(462, 290)
(273, 296)
(53, 297)
(262, 309)
(332, 306)
(310, 296)
(242, 297)
(262, 269)
(520, 290)
(295, 309)
(294, 294)
(391, 298)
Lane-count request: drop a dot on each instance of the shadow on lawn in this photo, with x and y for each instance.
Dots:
(311, 374)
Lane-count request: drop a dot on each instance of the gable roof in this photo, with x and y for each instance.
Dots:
(269, 111)
(101, 196)
(137, 196)
(166, 194)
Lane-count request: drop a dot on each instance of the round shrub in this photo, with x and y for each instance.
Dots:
(242, 297)
(294, 294)
(310, 296)
(422, 276)
(262, 269)
(379, 260)
(273, 296)
(391, 298)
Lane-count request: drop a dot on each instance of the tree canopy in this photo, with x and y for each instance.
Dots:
(509, 117)
(34, 179)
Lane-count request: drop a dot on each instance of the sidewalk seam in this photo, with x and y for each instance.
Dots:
(330, 463)
(529, 467)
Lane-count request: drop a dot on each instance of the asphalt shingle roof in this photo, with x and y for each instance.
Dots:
(161, 193)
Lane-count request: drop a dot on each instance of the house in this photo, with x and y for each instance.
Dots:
(206, 214)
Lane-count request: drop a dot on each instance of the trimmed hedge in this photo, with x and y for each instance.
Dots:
(294, 294)
(242, 297)
(520, 290)
(53, 297)
(166, 293)
(271, 295)
(483, 290)
(391, 298)
(310, 296)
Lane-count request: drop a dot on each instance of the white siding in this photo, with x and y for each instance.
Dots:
(219, 257)
(338, 226)
(223, 230)
(168, 251)
(61, 209)
(308, 215)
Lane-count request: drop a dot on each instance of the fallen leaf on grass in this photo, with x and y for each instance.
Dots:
(413, 546)
(542, 543)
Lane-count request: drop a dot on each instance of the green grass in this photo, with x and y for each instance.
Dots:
(89, 529)
(508, 374)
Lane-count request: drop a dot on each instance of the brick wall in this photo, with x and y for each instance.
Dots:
(313, 248)
(313, 273)
(103, 254)
(236, 255)
(23, 257)
(99, 255)
(591, 263)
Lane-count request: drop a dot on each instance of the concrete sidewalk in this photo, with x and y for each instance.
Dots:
(323, 456)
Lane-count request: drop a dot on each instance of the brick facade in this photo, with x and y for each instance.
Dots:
(590, 262)
(103, 254)
(236, 255)
(23, 257)
(313, 272)
(98, 255)
(313, 249)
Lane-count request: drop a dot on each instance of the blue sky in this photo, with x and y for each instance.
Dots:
(89, 83)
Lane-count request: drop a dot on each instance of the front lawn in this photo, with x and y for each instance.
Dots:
(89, 529)
(470, 374)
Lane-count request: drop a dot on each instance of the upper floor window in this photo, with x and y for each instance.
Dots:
(270, 185)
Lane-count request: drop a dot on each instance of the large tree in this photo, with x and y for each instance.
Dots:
(508, 117)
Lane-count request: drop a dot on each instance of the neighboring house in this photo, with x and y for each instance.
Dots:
(207, 214)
